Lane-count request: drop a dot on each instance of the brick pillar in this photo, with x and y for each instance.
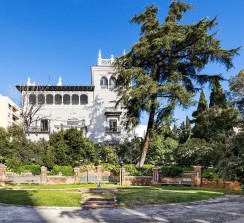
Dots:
(155, 174)
(3, 176)
(122, 176)
(99, 173)
(198, 175)
(43, 175)
(77, 175)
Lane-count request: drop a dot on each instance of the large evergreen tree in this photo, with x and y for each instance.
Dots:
(237, 93)
(162, 69)
(201, 119)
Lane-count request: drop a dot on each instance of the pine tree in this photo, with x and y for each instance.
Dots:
(162, 70)
(217, 96)
(201, 119)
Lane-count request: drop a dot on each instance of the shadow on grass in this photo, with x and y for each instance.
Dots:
(20, 214)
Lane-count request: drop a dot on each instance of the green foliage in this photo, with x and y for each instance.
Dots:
(34, 169)
(171, 171)
(194, 151)
(237, 94)
(145, 170)
(210, 173)
(162, 151)
(108, 154)
(65, 170)
(111, 167)
(129, 151)
(242, 189)
(165, 65)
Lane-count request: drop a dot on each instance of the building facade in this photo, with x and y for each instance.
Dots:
(10, 112)
(88, 108)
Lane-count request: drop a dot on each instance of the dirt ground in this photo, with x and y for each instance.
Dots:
(229, 208)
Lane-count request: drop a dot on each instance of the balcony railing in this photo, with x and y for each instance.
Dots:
(113, 129)
(37, 129)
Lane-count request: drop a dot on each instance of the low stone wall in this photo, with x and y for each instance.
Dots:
(24, 178)
(138, 180)
(228, 185)
(60, 180)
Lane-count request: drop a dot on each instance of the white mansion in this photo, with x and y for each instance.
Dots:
(89, 108)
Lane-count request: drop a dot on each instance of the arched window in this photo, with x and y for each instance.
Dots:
(83, 99)
(104, 82)
(58, 99)
(66, 99)
(112, 82)
(32, 99)
(75, 99)
(41, 99)
(49, 99)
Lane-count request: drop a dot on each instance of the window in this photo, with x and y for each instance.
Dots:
(41, 99)
(66, 99)
(58, 99)
(113, 125)
(32, 99)
(49, 99)
(75, 99)
(112, 82)
(44, 125)
(104, 82)
(9, 106)
(83, 99)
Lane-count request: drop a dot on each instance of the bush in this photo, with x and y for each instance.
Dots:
(34, 169)
(171, 171)
(145, 170)
(210, 173)
(242, 188)
(65, 170)
(110, 167)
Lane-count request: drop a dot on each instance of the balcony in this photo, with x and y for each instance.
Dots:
(113, 129)
(38, 129)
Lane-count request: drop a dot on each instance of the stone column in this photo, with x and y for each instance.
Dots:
(198, 176)
(155, 173)
(3, 176)
(43, 175)
(77, 175)
(122, 176)
(99, 173)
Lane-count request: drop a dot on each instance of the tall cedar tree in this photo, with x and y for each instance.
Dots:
(237, 93)
(162, 70)
(201, 119)
(222, 117)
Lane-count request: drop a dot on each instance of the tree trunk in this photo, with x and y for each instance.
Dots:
(150, 126)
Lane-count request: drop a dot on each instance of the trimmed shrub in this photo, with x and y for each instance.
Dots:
(171, 171)
(145, 170)
(34, 169)
(242, 188)
(210, 173)
(65, 170)
(110, 167)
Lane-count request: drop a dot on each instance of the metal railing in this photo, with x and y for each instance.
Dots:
(113, 129)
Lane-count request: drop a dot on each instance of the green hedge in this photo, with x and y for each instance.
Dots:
(65, 170)
(210, 173)
(34, 169)
(145, 170)
(242, 188)
(171, 171)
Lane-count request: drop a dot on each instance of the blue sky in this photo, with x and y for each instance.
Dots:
(39, 38)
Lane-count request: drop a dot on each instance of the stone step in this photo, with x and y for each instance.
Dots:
(100, 203)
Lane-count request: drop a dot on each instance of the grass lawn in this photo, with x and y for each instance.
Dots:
(68, 195)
